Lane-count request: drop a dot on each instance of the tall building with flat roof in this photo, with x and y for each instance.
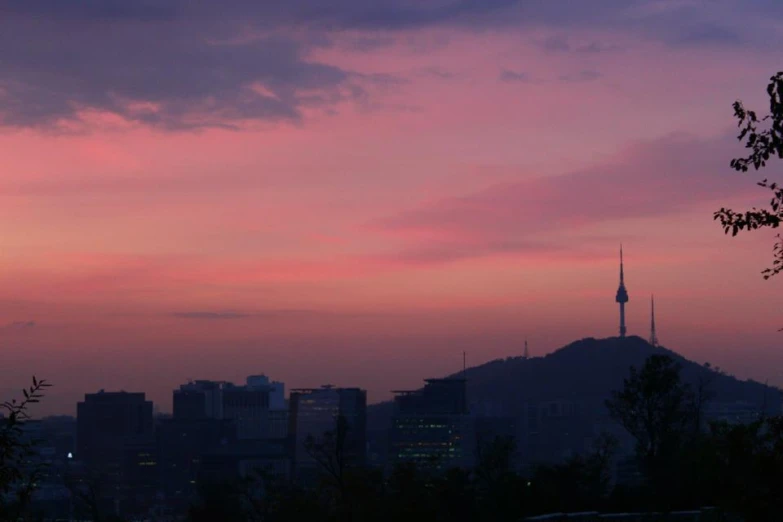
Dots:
(107, 421)
(431, 427)
(313, 412)
(278, 424)
(221, 422)
(248, 407)
(199, 400)
(276, 390)
(109, 425)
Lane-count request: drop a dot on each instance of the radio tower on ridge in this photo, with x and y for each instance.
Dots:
(622, 295)
(527, 353)
(653, 335)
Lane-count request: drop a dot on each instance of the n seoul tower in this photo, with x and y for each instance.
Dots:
(622, 295)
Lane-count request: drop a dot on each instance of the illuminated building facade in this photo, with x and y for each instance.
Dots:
(431, 427)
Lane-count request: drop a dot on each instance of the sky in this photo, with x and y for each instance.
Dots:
(354, 193)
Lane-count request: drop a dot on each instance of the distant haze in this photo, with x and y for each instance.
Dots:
(357, 194)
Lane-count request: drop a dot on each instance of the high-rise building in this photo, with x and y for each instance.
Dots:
(109, 426)
(141, 477)
(106, 422)
(245, 457)
(225, 424)
(278, 424)
(182, 445)
(199, 400)
(247, 405)
(432, 427)
(276, 390)
(314, 412)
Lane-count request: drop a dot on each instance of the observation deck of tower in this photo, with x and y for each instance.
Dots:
(622, 295)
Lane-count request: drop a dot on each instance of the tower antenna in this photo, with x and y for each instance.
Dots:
(622, 295)
(653, 335)
(527, 353)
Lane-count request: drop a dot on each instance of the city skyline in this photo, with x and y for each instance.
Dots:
(360, 195)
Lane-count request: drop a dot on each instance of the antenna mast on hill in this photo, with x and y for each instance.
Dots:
(653, 335)
(527, 353)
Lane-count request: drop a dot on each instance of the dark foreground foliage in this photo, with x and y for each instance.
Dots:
(682, 465)
(763, 137)
(18, 469)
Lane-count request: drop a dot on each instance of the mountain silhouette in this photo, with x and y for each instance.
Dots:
(584, 372)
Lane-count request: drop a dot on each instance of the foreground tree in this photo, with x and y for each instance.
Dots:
(654, 405)
(17, 452)
(329, 452)
(501, 493)
(764, 137)
(581, 483)
(743, 467)
(220, 501)
(657, 409)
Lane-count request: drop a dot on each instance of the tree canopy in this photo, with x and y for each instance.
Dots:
(763, 137)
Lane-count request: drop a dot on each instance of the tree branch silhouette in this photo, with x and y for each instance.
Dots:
(17, 478)
(764, 143)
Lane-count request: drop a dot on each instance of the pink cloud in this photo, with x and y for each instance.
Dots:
(673, 175)
(437, 208)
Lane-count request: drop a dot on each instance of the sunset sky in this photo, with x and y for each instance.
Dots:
(354, 192)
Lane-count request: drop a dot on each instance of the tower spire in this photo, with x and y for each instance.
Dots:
(622, 276)
(622, 295)
(653, 335)
(527, 353)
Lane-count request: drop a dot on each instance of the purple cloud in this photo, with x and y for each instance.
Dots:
(265, 314)
(20, 325)
(181, 64)
(586, 75)
(211, 315)
(509, 76)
